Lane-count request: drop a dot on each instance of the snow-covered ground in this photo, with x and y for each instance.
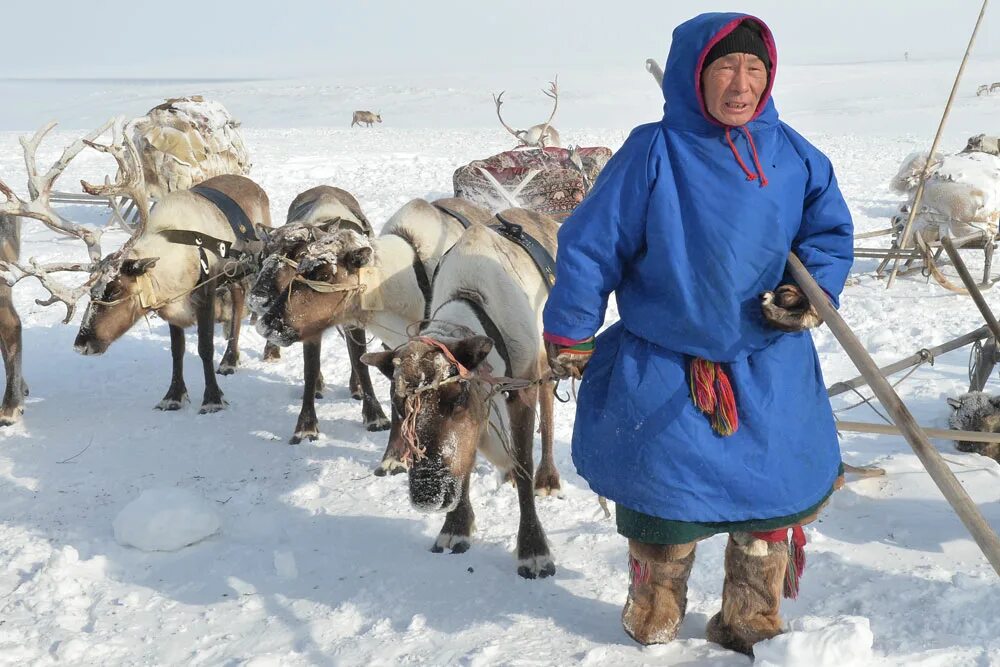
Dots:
(319, 562)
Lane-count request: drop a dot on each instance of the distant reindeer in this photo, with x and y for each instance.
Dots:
(536, 136)
(994, 86)
(982, 90)
(366, 118)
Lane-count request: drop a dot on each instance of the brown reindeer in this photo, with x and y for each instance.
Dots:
(536, 136)
(487, 306)
(10, 327)
(365, 118)
(343, 278)
(182, 255)
(312, 215)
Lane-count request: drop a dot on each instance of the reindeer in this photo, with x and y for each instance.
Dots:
(342, 278)
(314, 214)
(194, 242)
(486, 314)
(12, 211)
(976, 411)
(982, 90)
(536, 136)
(994, 86)
(365, 118)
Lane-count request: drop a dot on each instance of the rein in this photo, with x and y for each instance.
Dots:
(156, 305)
(322, 286)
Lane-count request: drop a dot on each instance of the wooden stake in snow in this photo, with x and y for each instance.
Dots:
(931, 459)
(905, 238)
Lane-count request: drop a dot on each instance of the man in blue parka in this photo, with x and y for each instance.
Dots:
(703, 410)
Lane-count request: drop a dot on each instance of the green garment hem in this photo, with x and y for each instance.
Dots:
(654, 530)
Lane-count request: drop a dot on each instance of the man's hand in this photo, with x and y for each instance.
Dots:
(788, 309)
(569, 361)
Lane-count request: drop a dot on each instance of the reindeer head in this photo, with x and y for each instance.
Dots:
(117, 301)
(445, 412)
(378, 117)
(301, 294)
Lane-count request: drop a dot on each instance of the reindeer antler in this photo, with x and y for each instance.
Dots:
(498, 101)
(129, 181)
(40, 189)
(552, 92)
(39, 208)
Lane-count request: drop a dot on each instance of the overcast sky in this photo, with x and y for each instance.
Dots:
(207, 39)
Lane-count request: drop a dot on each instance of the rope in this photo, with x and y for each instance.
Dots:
(157, 305)
(927, 358)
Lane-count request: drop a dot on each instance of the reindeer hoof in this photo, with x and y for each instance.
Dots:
(357, 395)
(548, 484)
(391, 466)
(11, 418)
(299, 436)
(226, 369)
(171, 404)
(536, 567)
(209, 408)
(377, 424)
(458, 544)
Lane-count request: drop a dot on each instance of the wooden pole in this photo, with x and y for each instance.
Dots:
(931, 459)
(971, 286)
(942, 433)
(905, 239)
(885, 371)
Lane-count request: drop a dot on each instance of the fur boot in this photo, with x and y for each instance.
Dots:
(657, 594)
(751, 594)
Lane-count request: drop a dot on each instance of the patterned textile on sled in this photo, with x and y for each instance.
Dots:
(548, 180)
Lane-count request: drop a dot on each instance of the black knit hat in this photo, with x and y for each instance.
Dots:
(746, 38)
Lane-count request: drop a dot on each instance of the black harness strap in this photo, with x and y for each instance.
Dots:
(491, 329)
(243, 229)
(539, 255)
(420, 271)
(464, 221)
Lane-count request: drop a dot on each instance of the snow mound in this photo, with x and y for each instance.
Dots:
(165, 519)
(844, 641)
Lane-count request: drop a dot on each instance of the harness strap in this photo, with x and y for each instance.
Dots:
(464, 221)
(423, 280)
(491, 329)
(539, 254)
(237, 218)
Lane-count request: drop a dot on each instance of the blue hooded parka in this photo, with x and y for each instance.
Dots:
(688, 224)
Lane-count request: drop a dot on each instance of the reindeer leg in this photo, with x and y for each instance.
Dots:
(392, 457)
(231, 357)
(547, 476)
(176, 395)
(371, 409)
(212, 400)
(308, 426)
(533, 557)
(10, 341)
(459, 524)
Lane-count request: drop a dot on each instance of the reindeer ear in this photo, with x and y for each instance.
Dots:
(355, 259)
(380, 360)
(954, 403)
(137, 267)
(471, 351)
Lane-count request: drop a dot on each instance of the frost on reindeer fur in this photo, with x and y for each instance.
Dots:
(327, 249)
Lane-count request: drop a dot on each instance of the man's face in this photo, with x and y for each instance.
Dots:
(732, 86)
